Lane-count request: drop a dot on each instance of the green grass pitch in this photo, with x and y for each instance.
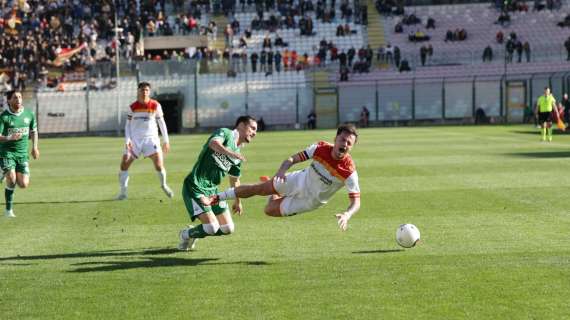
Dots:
(492, 204)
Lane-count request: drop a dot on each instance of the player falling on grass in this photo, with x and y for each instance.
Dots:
(16, 126)
(308, 189)
(545, 105)
(141, 138)
(220, 156)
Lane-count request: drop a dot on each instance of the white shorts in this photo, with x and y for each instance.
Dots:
(296, 197)
(146, 146)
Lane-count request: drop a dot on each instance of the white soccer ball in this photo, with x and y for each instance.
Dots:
(407, 235)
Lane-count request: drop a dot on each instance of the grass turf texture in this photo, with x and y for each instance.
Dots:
(491, 203)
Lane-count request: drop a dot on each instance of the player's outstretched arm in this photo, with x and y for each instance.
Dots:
(218, 147)
(35, 150)
(237, 207)
(288, 163)
(342, 218)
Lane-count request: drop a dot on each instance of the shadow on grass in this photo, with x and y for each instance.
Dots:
(378, 251)
(542, 155)
(77, 201)
(95, 254)
(104, 266)
(150, 262)
(537, 132)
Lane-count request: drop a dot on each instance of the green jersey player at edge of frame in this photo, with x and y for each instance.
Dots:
(17, 125)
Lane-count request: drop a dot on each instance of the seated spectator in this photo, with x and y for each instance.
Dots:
(411, 20)
(242, 43)
(504, 19)
(247, 33)
(418, 36)
(405, 66)
(430, 23)
(339, 31)
(235, 26)
(398, 28)
(347, 30)
(255, 23)
(538, 6)
(266, 42)
(449, 36)
(279, 41)
(499, 37)
(461, 34)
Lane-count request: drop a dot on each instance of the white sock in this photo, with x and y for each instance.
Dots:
(230, 193)
(123, 180)
(162, 176)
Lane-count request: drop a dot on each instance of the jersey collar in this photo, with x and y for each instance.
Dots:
(16, 114)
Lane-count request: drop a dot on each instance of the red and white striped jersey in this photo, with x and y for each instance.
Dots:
(325, 175)
(143, 117)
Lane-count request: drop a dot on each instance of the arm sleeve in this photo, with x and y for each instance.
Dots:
(352, 186)
(308, 152)
(162, 124)
(220, 135)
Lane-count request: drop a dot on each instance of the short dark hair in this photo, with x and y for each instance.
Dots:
(348, 128)
(244, 119)
(10, 93)
(143, 84)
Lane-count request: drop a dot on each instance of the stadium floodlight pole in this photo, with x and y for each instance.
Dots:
(117, 60)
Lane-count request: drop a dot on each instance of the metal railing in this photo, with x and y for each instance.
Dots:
(194, 101)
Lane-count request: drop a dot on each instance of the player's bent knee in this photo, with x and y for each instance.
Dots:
(211, 228)
(228, 228)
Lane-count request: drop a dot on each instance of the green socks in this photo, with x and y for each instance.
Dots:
(9, 196)
(198, 232)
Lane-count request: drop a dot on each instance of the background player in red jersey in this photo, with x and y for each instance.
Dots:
(141, 138)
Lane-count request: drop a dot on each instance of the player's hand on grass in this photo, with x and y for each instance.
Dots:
(342, 220)
(35, 153)
(237, 207)
(165, 147)
(14, 136)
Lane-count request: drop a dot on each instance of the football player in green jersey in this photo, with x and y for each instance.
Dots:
(16, 126)
(220, 156)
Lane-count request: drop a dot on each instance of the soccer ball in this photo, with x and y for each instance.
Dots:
(407, 235)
